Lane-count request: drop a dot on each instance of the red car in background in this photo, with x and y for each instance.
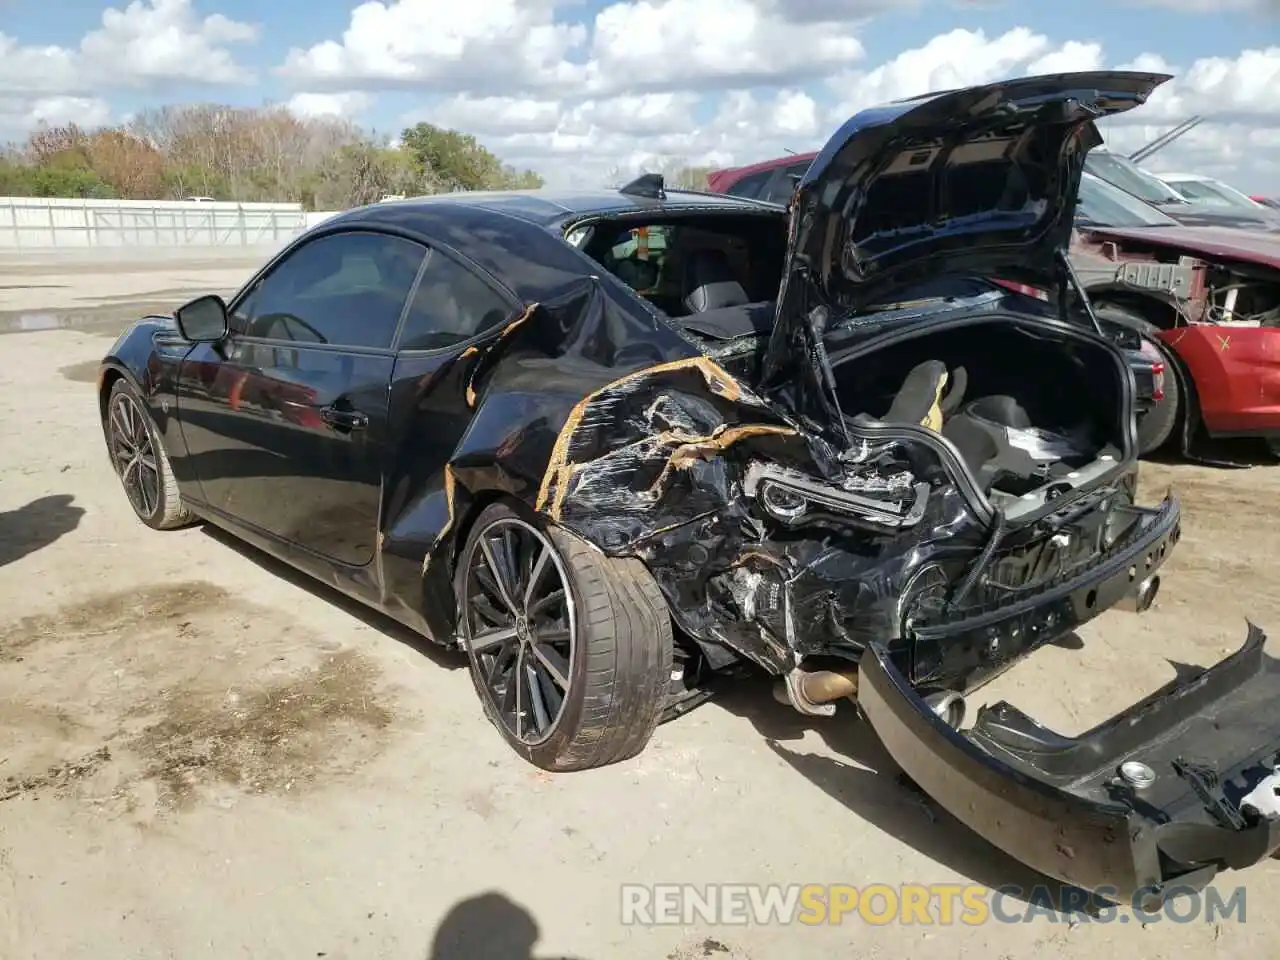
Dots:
(1206, 298)
(773, 180)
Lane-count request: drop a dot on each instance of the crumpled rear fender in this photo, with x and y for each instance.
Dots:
(670, 464)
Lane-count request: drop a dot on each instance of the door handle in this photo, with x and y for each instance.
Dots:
(344, 420)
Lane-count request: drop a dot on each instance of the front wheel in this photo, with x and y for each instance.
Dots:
(570, 650)
(140, 461)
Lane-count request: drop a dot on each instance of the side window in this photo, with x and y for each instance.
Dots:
(451, 305)
(346, 289)
(784, 186)
(751, 186)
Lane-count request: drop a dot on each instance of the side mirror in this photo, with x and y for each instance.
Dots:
(203, 320)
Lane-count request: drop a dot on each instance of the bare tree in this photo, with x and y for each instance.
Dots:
(241, 153)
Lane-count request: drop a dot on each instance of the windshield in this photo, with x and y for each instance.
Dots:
(1131, 178)
(1100, 204)
(1214, 194)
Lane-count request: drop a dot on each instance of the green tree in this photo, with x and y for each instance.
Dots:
(459, 161)
(362, 173)
(521, 179)
(69, 181)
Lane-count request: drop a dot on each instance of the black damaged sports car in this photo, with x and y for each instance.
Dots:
(611, 443)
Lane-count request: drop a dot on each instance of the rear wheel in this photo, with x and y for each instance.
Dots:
(571, 651)
(140, 461)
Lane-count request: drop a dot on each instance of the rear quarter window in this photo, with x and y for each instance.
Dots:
(750, 186)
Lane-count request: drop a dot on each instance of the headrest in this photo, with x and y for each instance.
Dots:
(711, 283)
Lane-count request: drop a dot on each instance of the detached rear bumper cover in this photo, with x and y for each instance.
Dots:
(1059, 805)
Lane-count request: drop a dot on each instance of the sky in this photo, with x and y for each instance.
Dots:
(581, 89)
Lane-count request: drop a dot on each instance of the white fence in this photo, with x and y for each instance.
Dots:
(320, 216)
(37, 223)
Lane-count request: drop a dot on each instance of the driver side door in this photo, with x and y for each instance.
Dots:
(286, 419)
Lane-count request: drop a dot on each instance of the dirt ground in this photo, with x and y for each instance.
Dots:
(203, 754)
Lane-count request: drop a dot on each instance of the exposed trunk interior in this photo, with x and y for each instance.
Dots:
(1031, 413)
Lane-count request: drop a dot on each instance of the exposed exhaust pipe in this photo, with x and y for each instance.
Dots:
(1142, 597)
(824, 686)
(814, 692)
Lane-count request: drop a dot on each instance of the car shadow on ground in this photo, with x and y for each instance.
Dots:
(1236, 453)
(36, 525)
(864, 778)
(489, 926)
(384, 624)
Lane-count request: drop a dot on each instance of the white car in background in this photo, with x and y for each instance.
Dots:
(1201, 189)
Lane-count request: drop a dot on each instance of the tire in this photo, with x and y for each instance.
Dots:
(151, 491)
(617, 660)
(1155, 427)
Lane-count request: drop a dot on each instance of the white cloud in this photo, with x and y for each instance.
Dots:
(349, 104)
(497, 47)
(1072, 55)
(723, 42)
(1240, 139)
(148, 43)
(19, 115)
(960, 58)
(164, 40)
(578, 144)
(1244, 88)
(483, 44)
(86, 112)
(500, 116)
(575, 142)
(29, 69)
(1231, 152)
(710, 81)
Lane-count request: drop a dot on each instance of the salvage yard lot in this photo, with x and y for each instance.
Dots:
(205, 755)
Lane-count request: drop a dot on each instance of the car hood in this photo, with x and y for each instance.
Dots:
(1203, 214)
(1216, 243)
(973, 182)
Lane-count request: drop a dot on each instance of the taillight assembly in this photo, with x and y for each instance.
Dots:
(1152, 353)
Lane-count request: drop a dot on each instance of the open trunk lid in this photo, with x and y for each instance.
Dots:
(976, 182)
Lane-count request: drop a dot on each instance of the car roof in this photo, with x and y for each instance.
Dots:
(1193, 177)
(552, 207)
(516, 235)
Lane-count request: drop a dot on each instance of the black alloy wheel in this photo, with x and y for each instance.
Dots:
(571, 650)
(520, 628)
(133, 454)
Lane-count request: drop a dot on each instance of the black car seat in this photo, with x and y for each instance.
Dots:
(927, 396)
(999, 442)
(710, 282)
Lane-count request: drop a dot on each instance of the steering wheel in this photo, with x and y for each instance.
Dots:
(268, 320)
